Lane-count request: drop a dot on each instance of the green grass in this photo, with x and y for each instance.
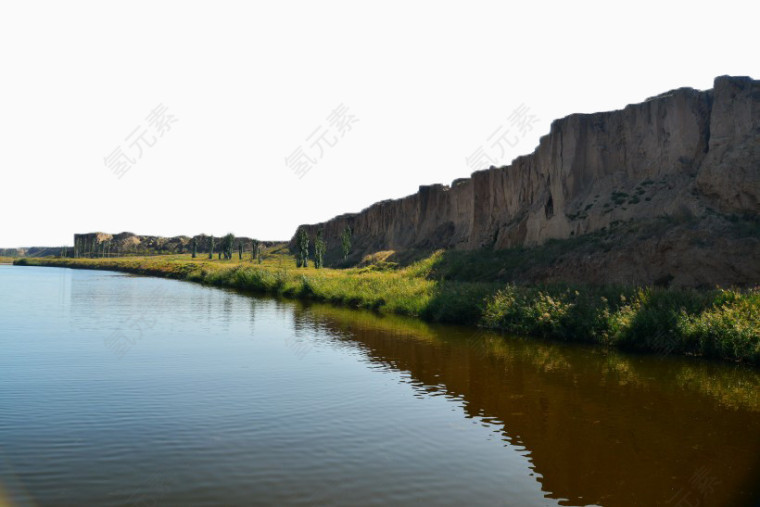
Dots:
(395, 291)
(716, 323)
(473, 288)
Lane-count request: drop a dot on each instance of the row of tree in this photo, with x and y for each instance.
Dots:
(320, 247)
(226, 247)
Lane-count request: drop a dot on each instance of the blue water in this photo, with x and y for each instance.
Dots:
(119, 390)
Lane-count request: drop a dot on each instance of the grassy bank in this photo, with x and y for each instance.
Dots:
(712, 323)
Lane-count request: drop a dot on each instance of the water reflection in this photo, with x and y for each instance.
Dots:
(598, 428)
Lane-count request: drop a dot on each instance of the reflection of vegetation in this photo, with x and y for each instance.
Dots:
(461, 287)
(357, 321)
(732, 386)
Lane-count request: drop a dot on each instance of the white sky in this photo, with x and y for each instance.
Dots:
(427, 82)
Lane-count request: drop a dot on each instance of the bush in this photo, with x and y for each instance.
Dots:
(729, 329)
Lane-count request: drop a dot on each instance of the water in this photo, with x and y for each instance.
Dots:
(122, 390)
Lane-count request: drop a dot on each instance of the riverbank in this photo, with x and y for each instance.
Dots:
(716, 323)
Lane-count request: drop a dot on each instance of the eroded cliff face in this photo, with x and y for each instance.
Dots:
(683, 153)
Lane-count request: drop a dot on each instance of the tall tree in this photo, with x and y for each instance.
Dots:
(302, 244)
(195, 248)
(345, 240)
(320, 247)
(228, 243)
(211, 247)
(240, 250)
(254, 249)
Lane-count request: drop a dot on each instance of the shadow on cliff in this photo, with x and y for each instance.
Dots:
(677, 252)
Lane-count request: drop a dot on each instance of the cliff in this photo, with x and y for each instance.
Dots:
(686, 154)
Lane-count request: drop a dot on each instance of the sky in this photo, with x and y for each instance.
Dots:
(169, 118)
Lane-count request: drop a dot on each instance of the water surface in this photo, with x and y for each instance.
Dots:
(119, 390)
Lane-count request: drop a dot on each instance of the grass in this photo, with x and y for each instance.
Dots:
(7, 260)
(396, 291)
(470, 288)
(715, 323)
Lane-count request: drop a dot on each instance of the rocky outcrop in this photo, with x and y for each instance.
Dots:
(730, 173)
(684, 153)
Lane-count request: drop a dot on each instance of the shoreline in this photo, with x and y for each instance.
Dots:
(715, 324)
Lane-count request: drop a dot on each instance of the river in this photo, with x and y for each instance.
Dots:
(124, 390)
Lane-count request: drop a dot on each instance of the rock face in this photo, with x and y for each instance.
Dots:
(682, 153)
(730, 173)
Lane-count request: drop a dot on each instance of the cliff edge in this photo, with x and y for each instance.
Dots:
(687, 155)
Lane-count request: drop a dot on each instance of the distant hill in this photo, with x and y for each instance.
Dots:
(33, 251)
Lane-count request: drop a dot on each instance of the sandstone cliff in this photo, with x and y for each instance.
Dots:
(683, 154)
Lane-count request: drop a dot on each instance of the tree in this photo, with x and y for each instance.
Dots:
(195, 248)
(320, 246)
(345, 240)
(211, 247)
(254, 249)
(228, 243)
(240, 250)
(302, 245)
